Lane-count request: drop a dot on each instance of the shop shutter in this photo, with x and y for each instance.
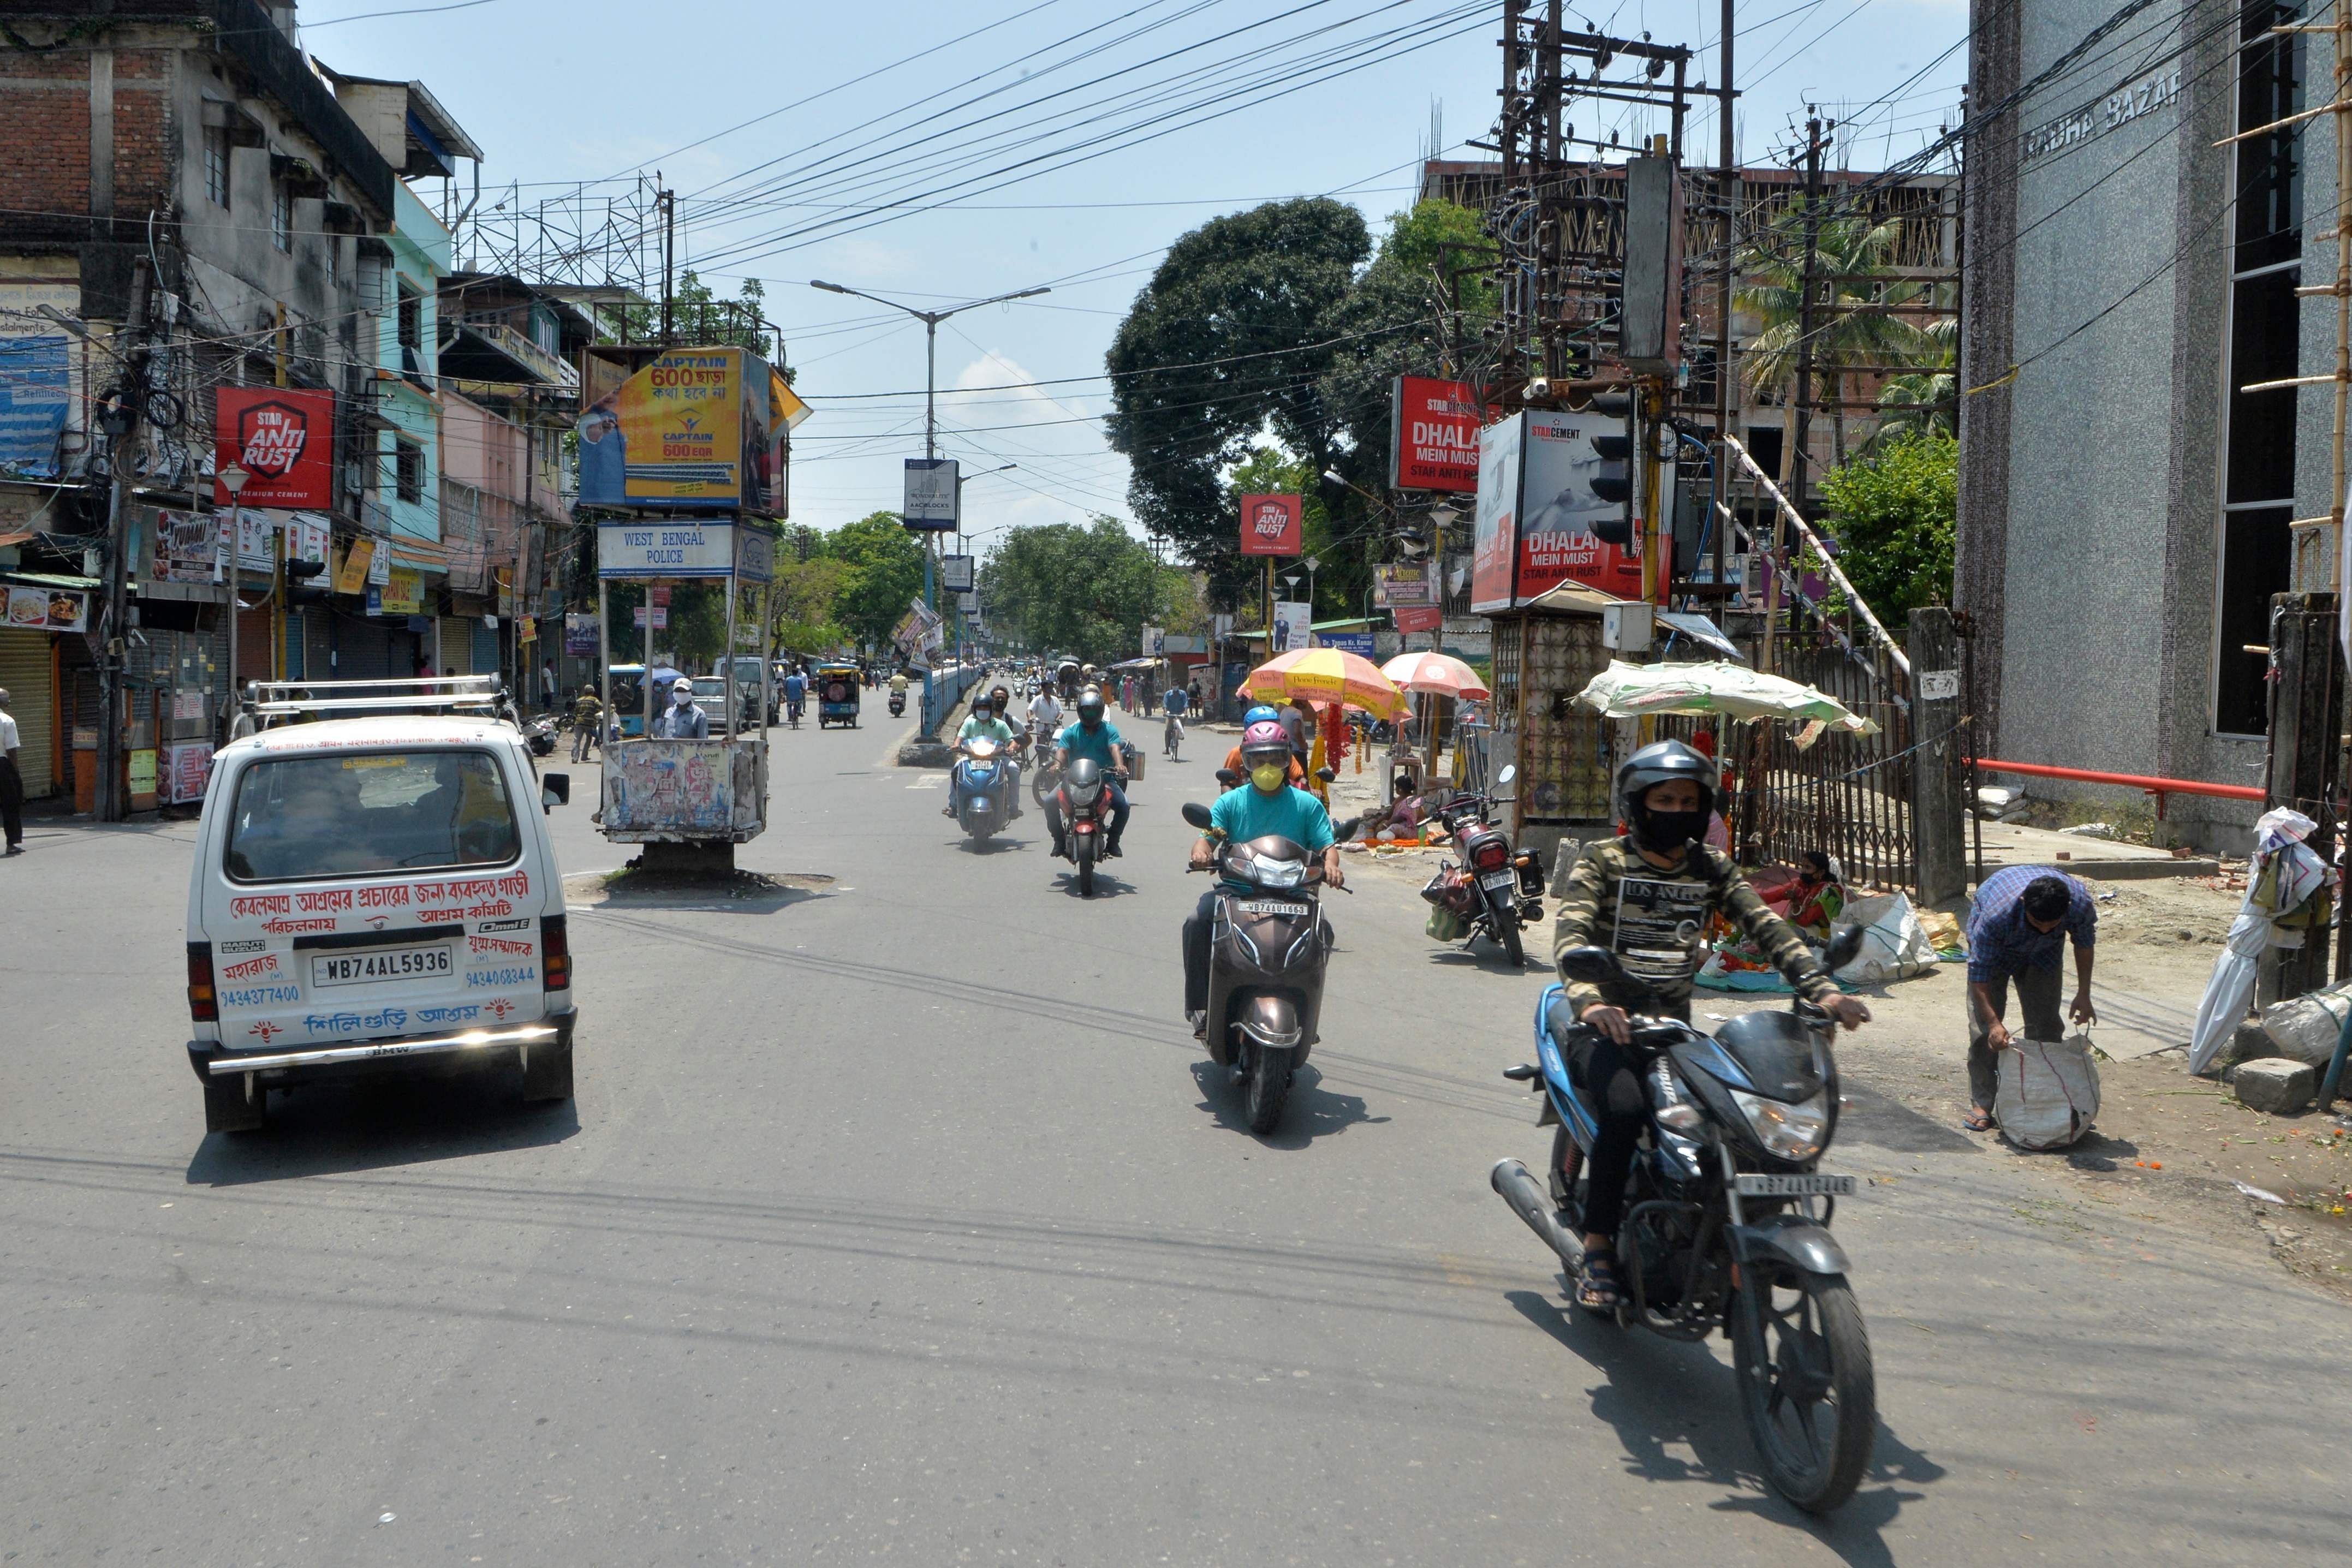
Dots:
(486, 649)
(33, 704)
(456, 645)
(316, 663)
(253, 645)
(363, 651)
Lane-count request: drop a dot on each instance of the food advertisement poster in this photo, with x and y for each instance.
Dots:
(49, 610)
(188, 547)
(283, 438)
(186, 767)
(403, 593)
(1432, 435)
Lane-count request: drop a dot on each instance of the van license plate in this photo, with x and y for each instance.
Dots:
(1758, 1185)
(378, 964)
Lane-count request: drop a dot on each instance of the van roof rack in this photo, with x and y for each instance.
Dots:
(428, 693)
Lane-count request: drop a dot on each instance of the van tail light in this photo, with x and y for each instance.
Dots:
(1492, 855)
(204, 1002)
(554, 953)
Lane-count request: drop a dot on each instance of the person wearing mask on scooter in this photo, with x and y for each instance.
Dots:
(1099, 741)
(1268, 805)
(1254, 716)
(1648, 896)
(983, 725)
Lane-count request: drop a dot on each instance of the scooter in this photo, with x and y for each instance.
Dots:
(1726, 1218)
(897, 703)
(1494, 892)
(977, 789)
(1086, 807)
(539, 733)
(1268, 951)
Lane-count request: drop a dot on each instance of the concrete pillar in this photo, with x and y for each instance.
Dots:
(1938, 805)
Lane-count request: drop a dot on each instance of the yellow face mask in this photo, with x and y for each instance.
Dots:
(1269, 777)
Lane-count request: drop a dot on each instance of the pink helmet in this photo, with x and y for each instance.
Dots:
(1266, 734)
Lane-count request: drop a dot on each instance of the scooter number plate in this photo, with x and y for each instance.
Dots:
(1269, 906)
(1761, 1185)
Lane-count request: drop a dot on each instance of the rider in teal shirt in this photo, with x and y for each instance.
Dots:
(984, 723)
(1096, 739)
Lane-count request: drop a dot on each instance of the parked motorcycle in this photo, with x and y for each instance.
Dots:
(1267, 950)
(539, 733)
(978, 790)
(1495, 891)
(1726, 1218)
(1085, 812)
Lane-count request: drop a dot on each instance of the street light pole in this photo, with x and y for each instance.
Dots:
(233, 479)
(931, 320)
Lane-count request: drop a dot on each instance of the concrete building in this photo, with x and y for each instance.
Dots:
(2126, 510)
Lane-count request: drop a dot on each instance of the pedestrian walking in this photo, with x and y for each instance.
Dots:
(12, 783)
(587, 714)
(2023, 915)
(547, 685)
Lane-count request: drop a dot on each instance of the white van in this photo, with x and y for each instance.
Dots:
(375, 894)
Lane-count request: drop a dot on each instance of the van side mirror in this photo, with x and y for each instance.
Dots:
(1593, 966)
(1844, 947)
(1196, 814)
(555, 789)
(1505, 776)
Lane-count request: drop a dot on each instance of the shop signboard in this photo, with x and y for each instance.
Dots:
(404, 594)
(48, 609)
(283, 438)
(187, 766)
(1358, 642)
(1404, 582)
(351, 576)
(1273, 525)
(1432, 435)
(187, 548)
(1413, 618)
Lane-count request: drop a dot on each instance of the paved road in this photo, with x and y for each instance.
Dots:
(898, 1217)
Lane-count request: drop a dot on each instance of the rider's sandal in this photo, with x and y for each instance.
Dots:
(1598, 1287)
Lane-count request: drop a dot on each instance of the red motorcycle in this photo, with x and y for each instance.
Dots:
(1496, 890)
(1084, 801)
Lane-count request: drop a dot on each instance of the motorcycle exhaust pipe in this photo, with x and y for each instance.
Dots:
(1531, 1203)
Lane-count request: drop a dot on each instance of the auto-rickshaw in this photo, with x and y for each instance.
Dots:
(837, 695)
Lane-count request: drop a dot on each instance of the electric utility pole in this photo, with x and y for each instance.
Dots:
(111, 797)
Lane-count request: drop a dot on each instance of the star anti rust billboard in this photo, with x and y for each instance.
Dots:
(282, 437)
(1273, 525)
(1432, 435)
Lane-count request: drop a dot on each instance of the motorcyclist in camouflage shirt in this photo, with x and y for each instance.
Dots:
(1648, 896)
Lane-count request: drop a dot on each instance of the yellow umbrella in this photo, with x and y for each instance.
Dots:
(1329, 676)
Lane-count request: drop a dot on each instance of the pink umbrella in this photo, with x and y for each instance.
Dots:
(1439, 672)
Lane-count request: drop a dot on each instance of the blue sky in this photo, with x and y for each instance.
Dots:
(1306, 97)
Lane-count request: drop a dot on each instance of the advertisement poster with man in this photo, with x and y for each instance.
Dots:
(1558, 505)
(693, 430)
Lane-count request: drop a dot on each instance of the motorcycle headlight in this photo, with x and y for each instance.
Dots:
(1272, 872)
(1790, 1130)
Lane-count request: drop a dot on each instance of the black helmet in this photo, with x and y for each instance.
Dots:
(1090, 705)
(1657, 764)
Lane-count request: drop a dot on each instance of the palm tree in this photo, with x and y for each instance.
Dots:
(1926, 400)
(1855, 265)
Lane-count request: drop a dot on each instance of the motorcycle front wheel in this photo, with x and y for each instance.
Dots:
(1802, 1359)
(1265, 1082)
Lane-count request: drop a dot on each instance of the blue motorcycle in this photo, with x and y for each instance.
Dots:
(1726, 1218)
(981, 788)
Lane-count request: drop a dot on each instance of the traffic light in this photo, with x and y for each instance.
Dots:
(1614, 481)
(299, 588)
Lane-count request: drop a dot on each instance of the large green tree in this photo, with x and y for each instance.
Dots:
(1227, 342)
(1086, 589)
(1892, 515)
(884, 571)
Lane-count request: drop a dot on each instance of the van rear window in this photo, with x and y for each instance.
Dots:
(298, 817)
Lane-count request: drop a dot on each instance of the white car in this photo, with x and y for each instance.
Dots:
(375, 894)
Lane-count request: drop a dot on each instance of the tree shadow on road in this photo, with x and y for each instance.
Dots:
(333, 1129)
(1311, 1111)
(1661, 1392)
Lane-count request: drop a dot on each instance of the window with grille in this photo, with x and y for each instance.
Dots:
(217, 165)
(281, 216)
(408, 471)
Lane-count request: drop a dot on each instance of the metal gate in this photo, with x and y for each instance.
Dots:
(1848, 795)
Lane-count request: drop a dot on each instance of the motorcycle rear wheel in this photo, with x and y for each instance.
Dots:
(1507, 932)
(1266, 1083)
(1802, 1356)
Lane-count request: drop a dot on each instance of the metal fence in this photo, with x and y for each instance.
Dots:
(1846, 794)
